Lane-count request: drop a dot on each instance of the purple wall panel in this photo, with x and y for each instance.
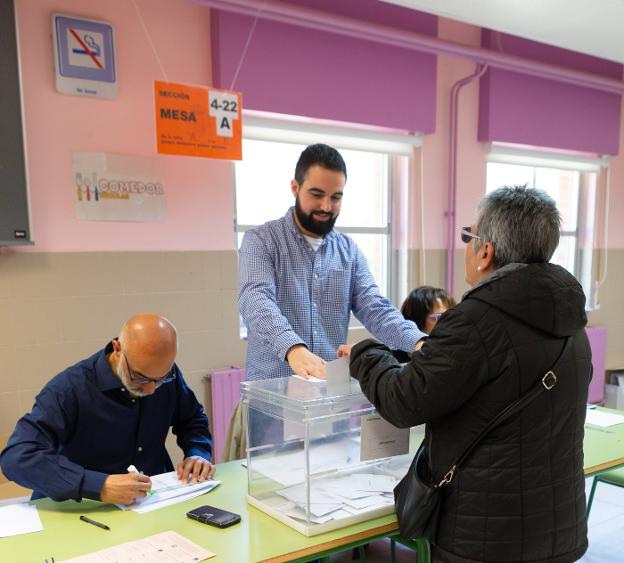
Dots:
(298, 71)
(377, 12)
(549, 54)
(517, 108)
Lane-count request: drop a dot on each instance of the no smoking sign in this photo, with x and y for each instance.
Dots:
(84, 57)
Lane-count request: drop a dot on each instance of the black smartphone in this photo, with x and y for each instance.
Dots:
(213, 516)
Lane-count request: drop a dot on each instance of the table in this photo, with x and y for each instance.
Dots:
(257, 538)
(603, 447)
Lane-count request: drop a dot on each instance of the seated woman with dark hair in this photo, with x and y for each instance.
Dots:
(424, 305)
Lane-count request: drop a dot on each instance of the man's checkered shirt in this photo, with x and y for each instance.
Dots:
(289, 294)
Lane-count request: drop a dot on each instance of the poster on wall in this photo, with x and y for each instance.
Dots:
(198, 121)
(84, 56)
(115, 187)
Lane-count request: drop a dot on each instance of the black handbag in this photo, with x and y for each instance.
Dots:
(418, 497)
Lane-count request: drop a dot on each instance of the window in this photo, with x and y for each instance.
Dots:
(262, 183)
(571, 181)
(263, 193)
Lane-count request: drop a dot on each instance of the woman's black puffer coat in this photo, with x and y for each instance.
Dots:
(520, 496)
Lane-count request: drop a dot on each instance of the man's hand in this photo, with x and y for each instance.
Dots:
(195, 469)
(305, 363)
(344, 350)
(420, 343)
(125, 488)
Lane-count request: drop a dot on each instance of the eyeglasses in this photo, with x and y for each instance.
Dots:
(435, 316)
(143, 380)
(467, 235)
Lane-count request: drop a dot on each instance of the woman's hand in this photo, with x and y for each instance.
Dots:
(344, 350)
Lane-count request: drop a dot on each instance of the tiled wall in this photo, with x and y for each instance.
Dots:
(611, 309)
(58, 308)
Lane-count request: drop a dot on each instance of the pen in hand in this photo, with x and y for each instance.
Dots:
(94, 522)
(133, 469)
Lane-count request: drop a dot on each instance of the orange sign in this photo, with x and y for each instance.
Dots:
(198, 121)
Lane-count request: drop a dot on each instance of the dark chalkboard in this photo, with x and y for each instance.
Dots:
(14, 224)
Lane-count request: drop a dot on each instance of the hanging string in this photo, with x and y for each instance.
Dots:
(244, 53)
(149, 40)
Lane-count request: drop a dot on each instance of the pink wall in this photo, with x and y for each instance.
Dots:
(616, 204)
(199, 201)
(470, 154)
(471, 157)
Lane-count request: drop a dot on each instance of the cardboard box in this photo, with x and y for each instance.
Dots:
(614, 388)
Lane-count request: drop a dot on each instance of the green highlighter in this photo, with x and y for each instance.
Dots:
(133, 469)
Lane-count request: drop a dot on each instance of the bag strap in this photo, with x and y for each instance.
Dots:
(546, 383)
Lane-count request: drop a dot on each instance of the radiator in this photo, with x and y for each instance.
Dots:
(224, 392)
(597, 336)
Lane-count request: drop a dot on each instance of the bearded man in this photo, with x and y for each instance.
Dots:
(300, 280)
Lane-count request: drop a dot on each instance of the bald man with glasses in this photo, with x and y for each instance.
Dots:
(108, 412)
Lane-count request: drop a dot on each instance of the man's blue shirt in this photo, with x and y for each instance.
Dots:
(290, 294)
(85, 426)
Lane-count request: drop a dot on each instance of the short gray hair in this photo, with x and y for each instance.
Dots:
(522, 223)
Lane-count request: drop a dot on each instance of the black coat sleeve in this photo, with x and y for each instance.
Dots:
(443, 375)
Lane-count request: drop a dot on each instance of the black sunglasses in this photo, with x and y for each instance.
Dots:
(466, 235)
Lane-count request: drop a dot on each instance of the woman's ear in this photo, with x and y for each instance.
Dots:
(486, 257)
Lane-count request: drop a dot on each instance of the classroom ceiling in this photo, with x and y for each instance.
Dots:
(594, 27)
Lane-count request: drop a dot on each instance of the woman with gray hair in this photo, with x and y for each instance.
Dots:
(520, 493)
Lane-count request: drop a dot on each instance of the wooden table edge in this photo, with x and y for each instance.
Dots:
(380, 531)
(589, 471)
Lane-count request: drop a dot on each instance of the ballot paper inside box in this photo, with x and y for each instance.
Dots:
(319, 457)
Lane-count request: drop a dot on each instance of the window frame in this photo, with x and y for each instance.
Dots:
(537, 157)
(287, 129)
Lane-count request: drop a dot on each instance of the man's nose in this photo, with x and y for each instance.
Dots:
(326, 205)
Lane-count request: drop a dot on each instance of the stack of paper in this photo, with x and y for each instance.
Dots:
(160, 548)
(16, 519)
(339, 497)
(603, 419)
(167, 490)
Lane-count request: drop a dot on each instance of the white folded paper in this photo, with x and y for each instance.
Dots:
(167, 490)
(16, 519)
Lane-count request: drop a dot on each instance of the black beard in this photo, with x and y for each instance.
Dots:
(310, 224)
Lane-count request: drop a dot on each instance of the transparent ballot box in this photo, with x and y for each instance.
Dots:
(319, 457)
